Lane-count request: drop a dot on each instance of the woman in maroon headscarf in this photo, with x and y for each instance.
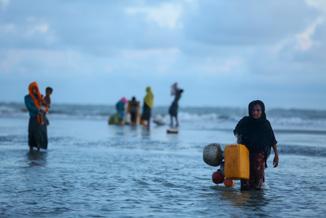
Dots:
(256, 133)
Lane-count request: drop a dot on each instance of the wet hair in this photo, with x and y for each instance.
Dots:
(133, 98)
(48, 90)
(254, 103)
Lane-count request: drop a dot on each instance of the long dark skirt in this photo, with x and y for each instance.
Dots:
(147, 112)
(257, 172)
(37, 134)
(133, 117)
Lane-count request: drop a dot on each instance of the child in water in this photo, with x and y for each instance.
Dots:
(47, 97)
(255, 132)
(47, 103)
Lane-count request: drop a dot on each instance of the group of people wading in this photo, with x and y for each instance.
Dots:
(132, 108)
(38, 106)
(254, 130)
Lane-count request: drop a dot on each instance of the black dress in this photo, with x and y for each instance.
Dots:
(133, 110)
(147, 111)
(258, 137)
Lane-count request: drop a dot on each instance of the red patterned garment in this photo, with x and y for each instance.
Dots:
(257, 172)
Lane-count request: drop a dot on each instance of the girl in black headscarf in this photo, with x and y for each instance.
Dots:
(256, 133)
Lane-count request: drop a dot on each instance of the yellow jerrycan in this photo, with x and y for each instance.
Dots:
(236, 162)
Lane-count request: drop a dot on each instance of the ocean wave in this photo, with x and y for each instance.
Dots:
(282, 118)
(302, 131)
(311, 151)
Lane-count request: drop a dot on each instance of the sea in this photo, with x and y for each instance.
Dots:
(92, 169)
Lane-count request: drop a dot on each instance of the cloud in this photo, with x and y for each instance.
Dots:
(214, 43)
(50, 63)
(30, 27)
(165, 15)
(4, 4)
(219, 66)
(31, 32)
(305, 39)
(149, 53)
(7, 28)
(298, 54)
(146, 62)
(230, 23)
(319, 5)
(102, 28)
(35, 26)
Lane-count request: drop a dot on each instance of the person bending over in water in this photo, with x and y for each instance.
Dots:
(173, 110)
(33, 103)
(147, 108)
(121, 107)
(133, 109)
(256, 133)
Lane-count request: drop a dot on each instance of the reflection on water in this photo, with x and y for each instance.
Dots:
(133, 172)
(36, 158)
(252, 200)
(145, 133)
(245, 198)
(118, 131)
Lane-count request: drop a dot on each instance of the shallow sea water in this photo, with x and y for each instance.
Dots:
(95, 170)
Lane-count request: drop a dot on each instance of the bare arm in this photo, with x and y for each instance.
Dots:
(275, 161)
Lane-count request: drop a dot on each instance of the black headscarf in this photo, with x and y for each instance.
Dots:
(256, 134)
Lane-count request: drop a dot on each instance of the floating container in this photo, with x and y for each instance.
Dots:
(236, 158)
(218, 177)
(229, 183)
(213, 155)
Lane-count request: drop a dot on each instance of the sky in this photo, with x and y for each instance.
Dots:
(223, 53)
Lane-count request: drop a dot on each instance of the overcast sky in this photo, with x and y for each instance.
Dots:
(223, 53)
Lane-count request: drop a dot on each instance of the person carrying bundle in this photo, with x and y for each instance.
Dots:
(256, 133)
(37, 108)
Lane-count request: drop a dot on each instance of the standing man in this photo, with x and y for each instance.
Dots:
(173, 109)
